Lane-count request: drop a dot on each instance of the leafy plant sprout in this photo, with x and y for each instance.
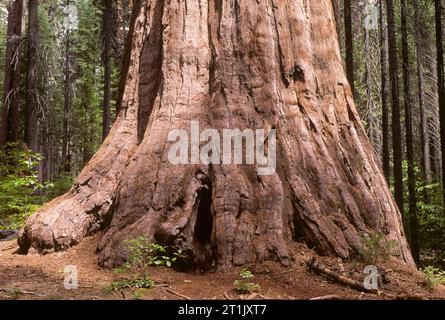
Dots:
(244, 285)
(141, 255)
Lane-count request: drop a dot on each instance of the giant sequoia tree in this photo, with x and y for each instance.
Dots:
(229, 64)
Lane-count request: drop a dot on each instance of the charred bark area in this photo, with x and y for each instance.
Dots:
(265, 65)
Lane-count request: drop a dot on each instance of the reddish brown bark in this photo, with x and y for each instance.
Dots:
(270, 64)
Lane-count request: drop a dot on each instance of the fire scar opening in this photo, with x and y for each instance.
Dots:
(202, 233)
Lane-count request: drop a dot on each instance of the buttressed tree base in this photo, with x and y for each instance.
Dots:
(229, 64)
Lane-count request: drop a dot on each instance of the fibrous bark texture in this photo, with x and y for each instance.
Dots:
(229, 64)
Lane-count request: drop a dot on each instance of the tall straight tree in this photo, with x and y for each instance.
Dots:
(10, 112)
(31, 120)
(108, 34)
(66, 155)
(424, 133)
(414, 225)
(396, 124)
(384, 92)
(349, 46)
(441, 84)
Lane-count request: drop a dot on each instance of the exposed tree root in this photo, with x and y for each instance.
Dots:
(317, 267)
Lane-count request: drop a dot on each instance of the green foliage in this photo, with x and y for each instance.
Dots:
(58, 187)
(139, 283)
(19, 186)
(375, 249)
(433, 276)
(142, 254)
(430, 216)
(244, 285)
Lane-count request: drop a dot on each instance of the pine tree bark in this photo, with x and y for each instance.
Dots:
(424, 132)
(9, 131)
(396, 123)
(414, 223)
(386, 144)
(266, 64)
(441, 82)
(66, 155)
(108, 34)
(31, 119)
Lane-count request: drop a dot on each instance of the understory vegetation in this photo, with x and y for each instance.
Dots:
(141, 255)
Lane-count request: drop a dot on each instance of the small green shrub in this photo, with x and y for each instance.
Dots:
(142, 254)
(244, 285)
(140, 283)
(376, 249)
(433, 276)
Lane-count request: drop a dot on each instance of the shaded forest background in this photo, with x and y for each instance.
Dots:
(61, 64)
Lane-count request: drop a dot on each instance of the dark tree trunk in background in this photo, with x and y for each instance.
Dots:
(31, 120)
(424, 132)
(9, 131)
(66, 155)
(265, 64)
(396, 124)
(441, 83)
(349, 45)
(414, 224)
(106, 57)
(386, 144)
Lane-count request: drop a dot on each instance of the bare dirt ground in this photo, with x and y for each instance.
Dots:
(41, 277)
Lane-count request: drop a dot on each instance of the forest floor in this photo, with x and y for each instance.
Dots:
(41, 277)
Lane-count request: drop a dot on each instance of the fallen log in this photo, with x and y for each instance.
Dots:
(317, 267)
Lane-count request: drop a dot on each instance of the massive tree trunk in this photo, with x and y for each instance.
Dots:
(261, 65)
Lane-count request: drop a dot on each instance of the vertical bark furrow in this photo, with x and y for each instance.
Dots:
(223, 65)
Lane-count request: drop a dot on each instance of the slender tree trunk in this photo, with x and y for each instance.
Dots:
(424, 132)
(349, 46)
(386, 145)
(396, 124)
(108, 34)
(441, 83)
(414, 224)
(226, 65)
(9, 131)
(66, 156)
(31, 120)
